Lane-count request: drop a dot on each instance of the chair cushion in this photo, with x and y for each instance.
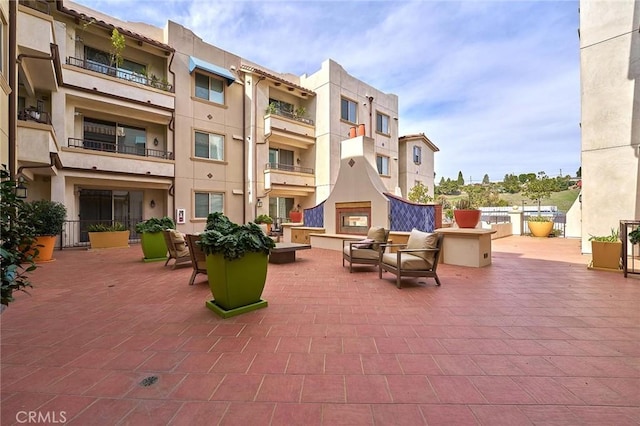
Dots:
(407, 261)
(178, 243)
(368, 254)
(377, 234)
(423, 240)
(364, 244)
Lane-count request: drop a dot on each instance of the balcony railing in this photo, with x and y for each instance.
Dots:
(120, 73)
(119, 148)
(288, 168)
(288, 114)
(31, 114)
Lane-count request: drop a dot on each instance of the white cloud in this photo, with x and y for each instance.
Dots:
(495, 85)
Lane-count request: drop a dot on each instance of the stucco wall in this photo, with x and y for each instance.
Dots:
(610, 74)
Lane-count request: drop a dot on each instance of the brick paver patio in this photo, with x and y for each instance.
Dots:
(535, 338)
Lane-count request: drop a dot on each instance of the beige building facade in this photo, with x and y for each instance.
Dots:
(172, 125)
(610, 90)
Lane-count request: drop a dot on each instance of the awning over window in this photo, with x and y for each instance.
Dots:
(213, 69)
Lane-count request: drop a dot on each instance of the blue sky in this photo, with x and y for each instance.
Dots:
(494, 84)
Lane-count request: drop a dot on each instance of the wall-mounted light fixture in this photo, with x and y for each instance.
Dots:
(155, 141)
(298, 161)
(21, 189)
(152, 204)
(259, 203)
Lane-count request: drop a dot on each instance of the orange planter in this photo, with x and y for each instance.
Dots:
(45, 245)
(466, 218)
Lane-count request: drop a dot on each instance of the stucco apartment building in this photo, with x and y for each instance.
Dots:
(178, 127)
(610, 89)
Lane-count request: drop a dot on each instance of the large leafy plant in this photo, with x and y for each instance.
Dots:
(221, 236)
(155, 224)
(18, 241)
(47, 216)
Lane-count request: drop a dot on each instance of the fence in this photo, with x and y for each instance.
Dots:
(75, 232)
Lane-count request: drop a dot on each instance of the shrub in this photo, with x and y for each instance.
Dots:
(47, 216)
(233, 240)
(101, 227)
(155, 224)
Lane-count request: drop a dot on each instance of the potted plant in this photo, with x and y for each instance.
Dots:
(266, 220)
(152, 241)
(47, 218)
(115, 235)
(17, 242)
(465, 214)
(540, 226)
(295, 214)
(237, 260)
(606, 251)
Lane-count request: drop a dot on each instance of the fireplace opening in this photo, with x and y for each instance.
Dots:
(353, 218)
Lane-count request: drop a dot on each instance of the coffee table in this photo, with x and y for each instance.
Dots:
(286, 252)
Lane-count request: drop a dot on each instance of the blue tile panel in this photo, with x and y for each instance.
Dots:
(405, 215)
(314, 217)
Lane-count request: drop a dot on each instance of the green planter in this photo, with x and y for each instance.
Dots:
(154, 247)
(237, 284)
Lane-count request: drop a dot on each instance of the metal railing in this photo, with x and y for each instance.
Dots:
(288, 114)
(288, 168)
(120, 73)
(30, 114)
(119, 148)
(75, 233)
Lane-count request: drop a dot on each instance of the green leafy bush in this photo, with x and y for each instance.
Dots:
(17, 243)
(263, 218)
(155, 224)
(611, 238)
(233, 240)
(634, 236)
(47, 216)
(101, 227)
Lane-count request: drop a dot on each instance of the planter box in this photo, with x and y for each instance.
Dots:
(115, 239)
(153, 246)
(45, 245)
(236, 285)
(606, 255)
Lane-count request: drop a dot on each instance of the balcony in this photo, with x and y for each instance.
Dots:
(35, 37)
(108, 157)
(286, 128)
(120, 149)
(120, 84)
(286, 179)
(36, 142)
(120, 73)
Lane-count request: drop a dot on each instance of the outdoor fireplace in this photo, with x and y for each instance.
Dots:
(353, 218)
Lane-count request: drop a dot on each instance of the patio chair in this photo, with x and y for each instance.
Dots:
(418, 258)
(177, 247)
(367, 251)
(198, 257)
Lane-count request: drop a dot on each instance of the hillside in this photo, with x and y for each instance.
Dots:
(563, 199)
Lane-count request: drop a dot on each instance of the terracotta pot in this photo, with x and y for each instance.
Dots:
(295, 217)
(361, 129)
(45, 245)
(352, 132)
(466, 218)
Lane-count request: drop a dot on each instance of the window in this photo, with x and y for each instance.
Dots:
(417, 154)
(279, 207)
(383, 164)
(209, 88)
(208, 202)
(281, 159)
(348, 110)
(280, 107)
(382, 123)
(209, 145)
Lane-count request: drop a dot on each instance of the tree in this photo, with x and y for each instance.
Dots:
(118, 43)
(511, 184)
(539, 188)
(579, 172)
(485, 179)
(460, 179)
(420, 194)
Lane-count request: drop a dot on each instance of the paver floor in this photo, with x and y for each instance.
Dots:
(535, 338)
